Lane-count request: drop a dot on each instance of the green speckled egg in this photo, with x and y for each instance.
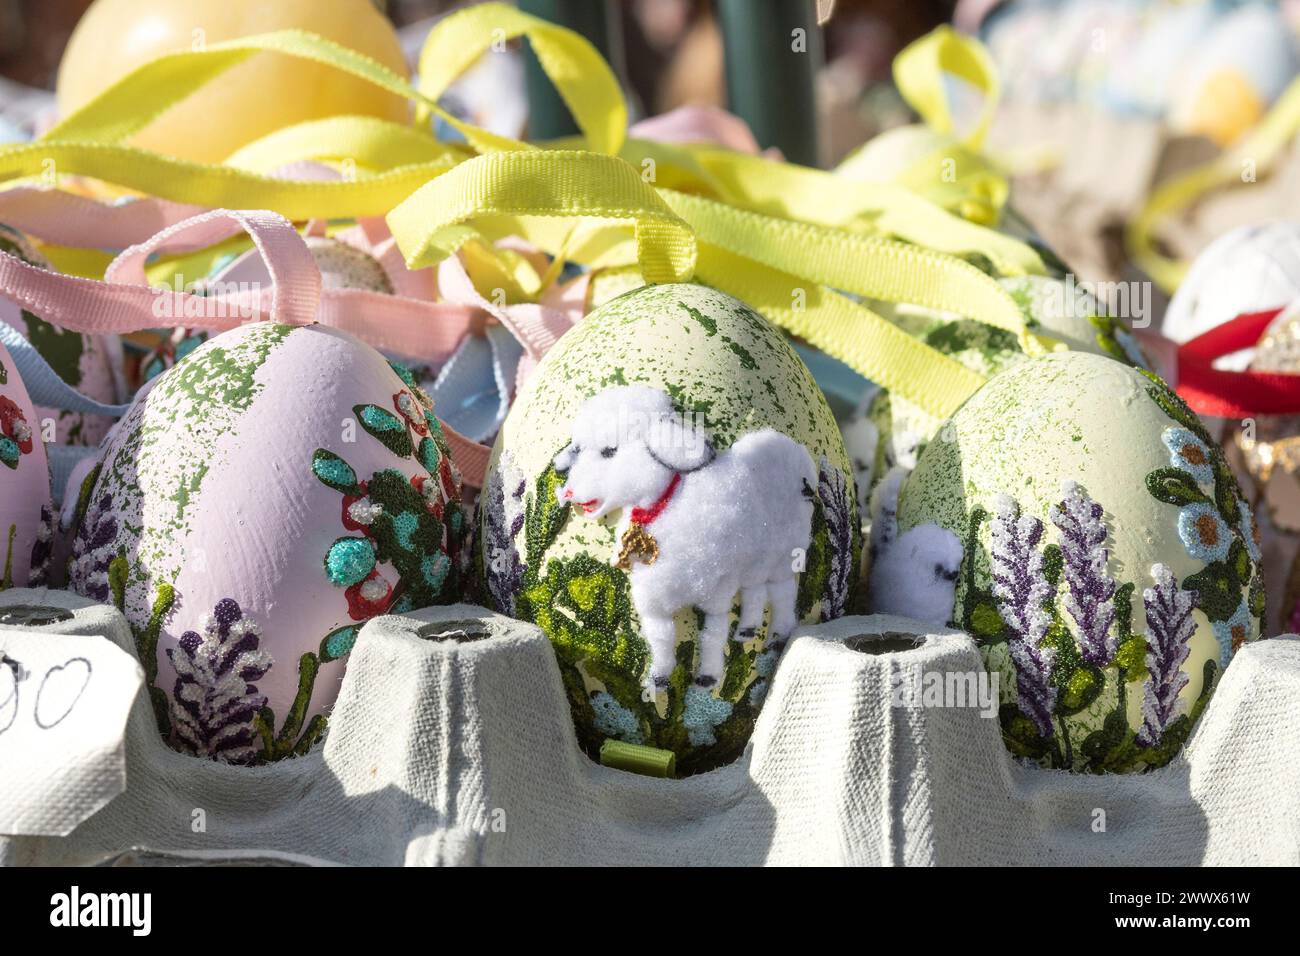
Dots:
(667, 498)
(1109, 565)
(1053, 308)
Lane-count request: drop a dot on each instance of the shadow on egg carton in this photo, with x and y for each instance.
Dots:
(451, 743)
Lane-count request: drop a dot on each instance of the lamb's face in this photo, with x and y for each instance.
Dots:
(626, 446)
(606, 475)
(946, 549)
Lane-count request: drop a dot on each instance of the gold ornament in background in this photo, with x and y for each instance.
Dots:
(1272, 458)
(1270, 453)
(1270, 448)
(1278, 350)
(266, 92)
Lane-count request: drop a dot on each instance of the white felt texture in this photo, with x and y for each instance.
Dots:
(861, 439)
(1251, 269)
(483, 768)
(725, 523)
(915, 573)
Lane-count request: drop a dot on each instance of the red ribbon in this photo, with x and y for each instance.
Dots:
(1224, 394)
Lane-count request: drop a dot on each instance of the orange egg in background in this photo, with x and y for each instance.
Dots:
(262, 94)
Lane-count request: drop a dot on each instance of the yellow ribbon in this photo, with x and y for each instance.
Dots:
(865, 265)
(369, 143)
(781, 237)
(956, 175)
(432, 224)
(919, 72)
(144, 94)
(580, 74)
(811, 195)
(784, 269)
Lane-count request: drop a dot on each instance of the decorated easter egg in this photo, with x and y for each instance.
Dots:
(888, 156)
(1077, 520)
(26, 515)
(1251, 269)
(1014, 34)
(1226, 86)
(667, 499)
(346, 267)
(260, 500)
(932, 165)
(1144, 79)
(1058, 309)
(92, 364)
(234, 109)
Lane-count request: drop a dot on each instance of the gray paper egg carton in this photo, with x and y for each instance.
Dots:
(451, 743)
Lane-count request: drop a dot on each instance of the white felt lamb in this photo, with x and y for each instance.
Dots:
(697, 526)
(914, 573)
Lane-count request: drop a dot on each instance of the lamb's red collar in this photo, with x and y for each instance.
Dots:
(643, 516)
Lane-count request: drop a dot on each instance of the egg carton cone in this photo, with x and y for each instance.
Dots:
(451, 744)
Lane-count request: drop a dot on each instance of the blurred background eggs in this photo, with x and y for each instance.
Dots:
(235, 109)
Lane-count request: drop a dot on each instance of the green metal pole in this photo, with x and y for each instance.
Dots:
(773, 53)
(548, 117)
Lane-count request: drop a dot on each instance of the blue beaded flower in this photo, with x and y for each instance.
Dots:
(1232, 633)
(1205, 534)
(1189, 453)
(1249, 530)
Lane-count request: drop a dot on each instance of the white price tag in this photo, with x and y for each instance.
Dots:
(64, 702)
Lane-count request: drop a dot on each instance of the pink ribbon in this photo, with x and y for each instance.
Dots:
(537, 327)
(295, 279)
(406, 324)
(66, 219)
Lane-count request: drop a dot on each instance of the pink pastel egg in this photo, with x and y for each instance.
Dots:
(26, 517)
(263, 498)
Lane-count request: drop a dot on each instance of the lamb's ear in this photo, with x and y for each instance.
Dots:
(676, 445)
(564, 460)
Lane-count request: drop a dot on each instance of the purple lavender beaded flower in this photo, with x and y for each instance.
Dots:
(214, 699)
(837, 507)
(92, 550)
(1021, 587)
(504, 515)
(42, 549)
(1169, 632)
(1090, 591)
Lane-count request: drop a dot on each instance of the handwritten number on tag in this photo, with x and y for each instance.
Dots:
(64, 707)
(60, 690)
(11, 673)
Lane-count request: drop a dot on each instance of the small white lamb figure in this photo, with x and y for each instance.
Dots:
(913, 574)
(697, 526)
